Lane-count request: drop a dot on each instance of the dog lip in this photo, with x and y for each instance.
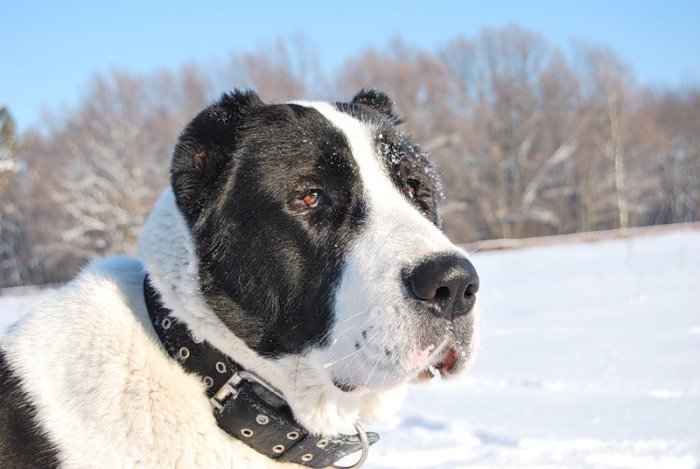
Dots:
(423, 376)
(444, 365)
(343, 387)
(449, 361)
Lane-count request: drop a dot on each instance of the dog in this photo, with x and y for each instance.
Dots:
(295, 262)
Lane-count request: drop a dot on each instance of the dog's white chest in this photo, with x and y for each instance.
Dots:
(109, 396)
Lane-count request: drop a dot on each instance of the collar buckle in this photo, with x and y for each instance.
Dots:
(230, 388)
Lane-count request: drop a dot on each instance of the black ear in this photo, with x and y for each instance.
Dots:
(379, 101)
(205, 150)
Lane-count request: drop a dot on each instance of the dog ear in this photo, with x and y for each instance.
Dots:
(205, 148)
(380, 102)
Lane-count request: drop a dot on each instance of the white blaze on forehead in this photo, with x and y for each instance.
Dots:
(389, 210)
(374, 177)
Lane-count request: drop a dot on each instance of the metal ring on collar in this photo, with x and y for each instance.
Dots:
(365, 449)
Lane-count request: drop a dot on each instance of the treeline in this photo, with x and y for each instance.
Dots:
(531, 140)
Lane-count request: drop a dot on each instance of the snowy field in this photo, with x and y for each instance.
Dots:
(589, 357)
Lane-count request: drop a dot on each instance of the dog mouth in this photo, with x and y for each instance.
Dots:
(445, 365)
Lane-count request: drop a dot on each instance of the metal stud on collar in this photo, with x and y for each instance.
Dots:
(165, 324)
(365, 449)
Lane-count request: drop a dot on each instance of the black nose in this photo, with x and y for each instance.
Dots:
(448, 284)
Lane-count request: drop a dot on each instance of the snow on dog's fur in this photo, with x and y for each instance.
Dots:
(289, 239)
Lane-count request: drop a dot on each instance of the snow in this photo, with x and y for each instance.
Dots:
(15, 303)
(589, 357)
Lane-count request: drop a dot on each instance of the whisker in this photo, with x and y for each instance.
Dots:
(476, 248)
(368, 341)
(369, 377)
(296, 374)
(386, 373)
(330, 330)
(335, 340)
(329, 364)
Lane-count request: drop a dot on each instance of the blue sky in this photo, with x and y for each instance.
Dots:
(50, 49)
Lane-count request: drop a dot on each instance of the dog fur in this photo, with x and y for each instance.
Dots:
(312, 300)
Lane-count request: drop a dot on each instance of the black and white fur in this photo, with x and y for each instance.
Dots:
(310, 298)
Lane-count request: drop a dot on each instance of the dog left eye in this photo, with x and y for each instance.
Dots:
(313, 198)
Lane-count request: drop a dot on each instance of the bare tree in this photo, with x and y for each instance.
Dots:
(618, 171)
(518, 133)
(677, 114)
(12, 270)
(115, 151)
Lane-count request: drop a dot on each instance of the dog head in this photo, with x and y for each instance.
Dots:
(315, 245)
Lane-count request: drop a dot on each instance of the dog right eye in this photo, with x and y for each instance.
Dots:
(412, 187)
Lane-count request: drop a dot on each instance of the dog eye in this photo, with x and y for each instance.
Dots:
(313, 198)
(412, 188)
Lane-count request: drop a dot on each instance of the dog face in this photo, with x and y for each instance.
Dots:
(317, 234)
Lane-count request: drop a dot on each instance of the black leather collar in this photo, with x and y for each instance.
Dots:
(245, 406)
